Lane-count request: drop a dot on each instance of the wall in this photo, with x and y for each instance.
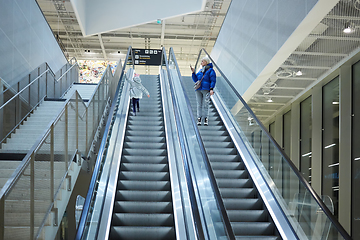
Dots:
(251, 35)
(26, 40)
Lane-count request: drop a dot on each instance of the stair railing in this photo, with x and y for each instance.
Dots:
(280, 174)
(19, 100)
(47, 171)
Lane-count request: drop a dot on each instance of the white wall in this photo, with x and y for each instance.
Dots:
(26, 40)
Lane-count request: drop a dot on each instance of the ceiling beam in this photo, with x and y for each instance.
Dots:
(305, 67)
(102, 46)
(335, 38)
(347, 18)
(320, 54)
(271, 96)
(297, 78)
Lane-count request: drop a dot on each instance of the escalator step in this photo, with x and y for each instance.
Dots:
(138, 233)
(144, 167)
(147, 196)
(243, 204)
(142, 207)
(143, 185)
(235, 174)
(238, 192)
(144, 176)
(144, 159)
(137, 219)
(253, 228)
(248, 215)
(234, 183)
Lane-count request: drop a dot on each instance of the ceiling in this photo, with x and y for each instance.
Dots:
(186, 34)
(318, 54)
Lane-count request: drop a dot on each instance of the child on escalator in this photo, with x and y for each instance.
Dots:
(136, 91)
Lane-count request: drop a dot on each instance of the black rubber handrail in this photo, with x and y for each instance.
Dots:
(326, 210)
(213, 183)
(99, 159)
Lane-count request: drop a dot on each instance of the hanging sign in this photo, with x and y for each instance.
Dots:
(147, 57)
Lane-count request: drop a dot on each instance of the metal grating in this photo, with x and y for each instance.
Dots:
(326, 46)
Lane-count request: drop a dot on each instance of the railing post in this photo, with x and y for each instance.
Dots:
(2, 218)
(32, 196)
(1, 111)
(52, 147)
(38, 90)
(77, 122)
(86, 130)
(18, 105)
(66, 137)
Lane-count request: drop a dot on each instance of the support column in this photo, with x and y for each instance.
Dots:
(316, 170)
(345, 147)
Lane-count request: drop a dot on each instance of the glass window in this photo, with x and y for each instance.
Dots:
(330, 142)
(355, 151)
(305, 138)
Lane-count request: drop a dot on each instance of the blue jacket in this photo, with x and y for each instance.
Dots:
(209, 79)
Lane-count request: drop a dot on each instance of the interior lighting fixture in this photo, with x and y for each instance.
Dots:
(269, 100)
(307, 154)
(331, 145)
(299, 73)
(335, 103)
(333, 165)
(357, 159)
(348, 28)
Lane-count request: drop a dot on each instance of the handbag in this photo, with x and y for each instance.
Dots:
(198, 82)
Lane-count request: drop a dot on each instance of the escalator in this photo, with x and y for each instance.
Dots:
(143, 206)
(245, 209)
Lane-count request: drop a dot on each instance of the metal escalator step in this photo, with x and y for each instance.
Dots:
(145, 133)
(223, 158)
(145, 128)
(247, 215)
(141, 145)
(233, 174)
(144, 159)
(203, 128)
(137, 219)
(221, 151)
(234, 183)
(145, 119)
(208, 138)
(142, 122)
(238, 192)
(144, 176)
(258, 237)
(144, 207)
(214, 144)
(253, 228)
(227, 165)
(143, 196)
(243, 204)
(138, 233)
(144, 152)
(143, 185)
(152, 139)
(144, 167)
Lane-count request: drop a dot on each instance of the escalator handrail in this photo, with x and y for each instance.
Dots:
(218, 197)
(99, 159)
(194, 206)
(326, 210)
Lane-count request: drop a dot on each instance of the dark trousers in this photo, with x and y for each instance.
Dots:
(135, 101)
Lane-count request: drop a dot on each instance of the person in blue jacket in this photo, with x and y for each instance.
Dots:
(206, 89)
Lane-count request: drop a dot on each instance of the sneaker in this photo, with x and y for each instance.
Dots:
(206, 122)
(199, 121)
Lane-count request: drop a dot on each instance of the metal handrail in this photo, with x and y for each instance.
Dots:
(218, 197)
(328, 213)
(100, 156)
(22, 90)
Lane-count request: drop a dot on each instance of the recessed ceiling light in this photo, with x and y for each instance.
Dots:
(299, 73)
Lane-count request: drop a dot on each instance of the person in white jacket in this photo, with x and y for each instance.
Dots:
(136, 91)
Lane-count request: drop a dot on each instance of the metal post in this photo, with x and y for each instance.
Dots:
(18, 106)
(52, 147)
(77, 122)
(2, 218)
(1, 112)
(32, 196)
(66, 136)
(86, 130)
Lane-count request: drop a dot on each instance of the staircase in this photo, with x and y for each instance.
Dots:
(17, 215)
(246, 211)
(143, 206)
